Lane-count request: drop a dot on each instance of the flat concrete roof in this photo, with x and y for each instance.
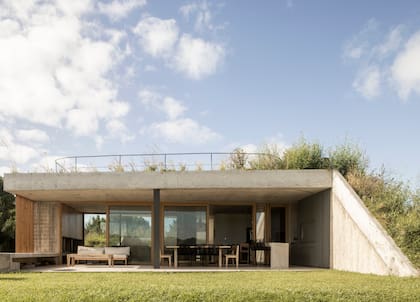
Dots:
(84, 189)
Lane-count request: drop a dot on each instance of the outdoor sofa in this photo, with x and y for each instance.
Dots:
(109, 254)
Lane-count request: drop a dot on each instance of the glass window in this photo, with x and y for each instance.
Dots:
(94, 230)
(132, 226)
(185, 225)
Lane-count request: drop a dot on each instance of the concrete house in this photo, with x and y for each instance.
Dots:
(315, 212)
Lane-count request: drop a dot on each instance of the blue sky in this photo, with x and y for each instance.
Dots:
(134, 76)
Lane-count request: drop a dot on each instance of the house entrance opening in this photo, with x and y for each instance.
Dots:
(278, 224)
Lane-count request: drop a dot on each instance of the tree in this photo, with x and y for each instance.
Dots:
(95, 231)
(7, 220)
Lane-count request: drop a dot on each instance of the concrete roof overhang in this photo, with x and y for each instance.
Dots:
(93, 191)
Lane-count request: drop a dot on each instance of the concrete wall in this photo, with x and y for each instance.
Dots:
(231, 228)
(169, 180)
(359, 243)
(313, 224)
(7, 264)
(47, 227)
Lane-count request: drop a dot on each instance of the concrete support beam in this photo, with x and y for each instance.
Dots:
(156, 228)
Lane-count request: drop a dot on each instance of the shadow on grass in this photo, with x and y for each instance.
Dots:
(12, 279)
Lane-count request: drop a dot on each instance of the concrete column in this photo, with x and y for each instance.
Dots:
(156, 228)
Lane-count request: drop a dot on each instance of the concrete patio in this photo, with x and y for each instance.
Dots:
(86, 268)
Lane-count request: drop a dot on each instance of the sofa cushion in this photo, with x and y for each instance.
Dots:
(118, 250)
(87, 250)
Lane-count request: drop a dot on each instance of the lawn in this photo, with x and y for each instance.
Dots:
(219, 286)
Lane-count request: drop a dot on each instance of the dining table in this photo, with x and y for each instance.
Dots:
(219, 247)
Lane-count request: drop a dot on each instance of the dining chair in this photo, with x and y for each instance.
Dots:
(234, 256)
(244, 253)
(166, 256)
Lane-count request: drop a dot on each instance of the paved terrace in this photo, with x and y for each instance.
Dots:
(81, 268)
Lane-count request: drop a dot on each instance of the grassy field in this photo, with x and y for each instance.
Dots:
(231, 286)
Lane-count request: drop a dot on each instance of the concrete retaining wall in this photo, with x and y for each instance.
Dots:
(359, 243)
(6, 263)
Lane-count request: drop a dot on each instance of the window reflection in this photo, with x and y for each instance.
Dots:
(131, 226)
(185, 225)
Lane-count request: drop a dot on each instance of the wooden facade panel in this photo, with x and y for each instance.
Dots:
(24, 225)
(47, 227)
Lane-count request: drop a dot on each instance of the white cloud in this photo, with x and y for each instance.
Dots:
(117, 129)
(52, 71)
(391, 57)
(130, 72)
(150, 68)
(249, 148)
(359, 44)
(119, 9)
(368, 82)
(4, 170)
(183, 130)
(355, 52)
(32, 135)
(202, 13)
(194, 57)
(8, 28)
(172, 107)
(14, 152)
(367, 43)
(45, 164)
(157, 36)
(405, 71)
(82, 122)
(99, 141)
(168, 105)
(176, 128)
(197, 58)
(149, 97)
(391, 43)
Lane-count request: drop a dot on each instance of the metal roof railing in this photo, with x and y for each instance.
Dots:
(159, 162)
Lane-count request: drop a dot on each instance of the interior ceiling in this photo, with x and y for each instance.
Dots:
(95, 201)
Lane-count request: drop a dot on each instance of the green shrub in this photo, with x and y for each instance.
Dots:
(348, 157)
(95, 239)
(305, 155)
(268, 158)
(238, 159)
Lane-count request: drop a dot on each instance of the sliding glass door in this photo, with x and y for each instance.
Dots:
(132, 226)
(185, 225)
